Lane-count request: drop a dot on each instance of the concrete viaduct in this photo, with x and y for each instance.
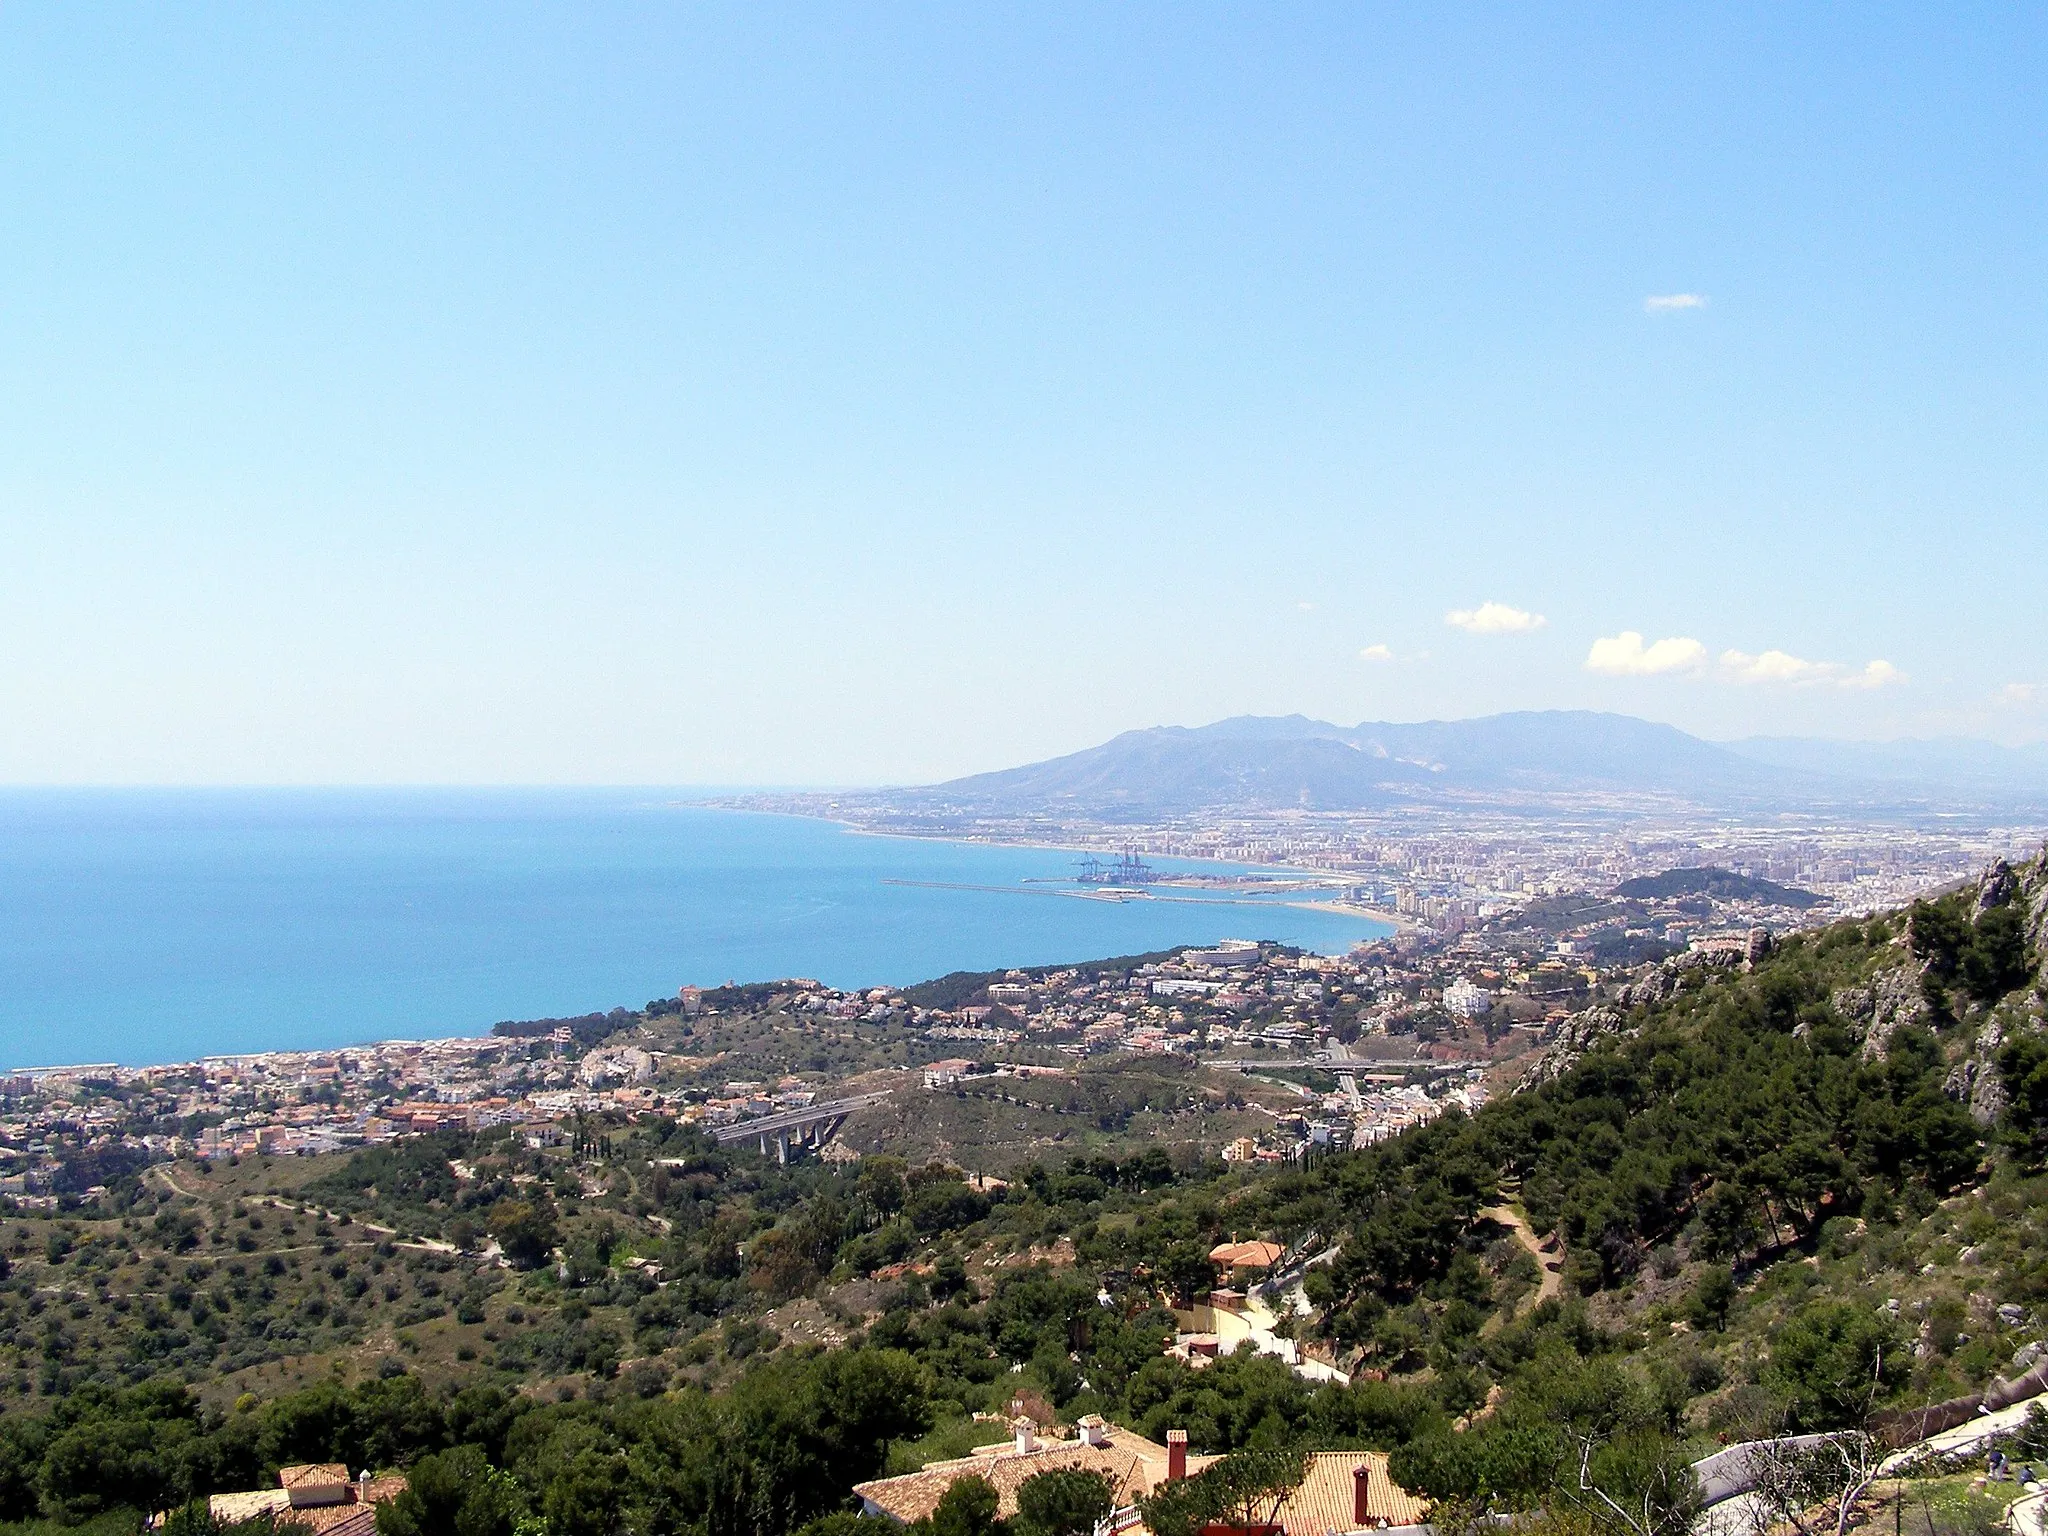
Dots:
(809, 1127)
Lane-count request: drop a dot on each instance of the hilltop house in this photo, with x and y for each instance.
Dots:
(1133, 1465)
(1347, 1492)
(1344, 1492)
(319, 1498)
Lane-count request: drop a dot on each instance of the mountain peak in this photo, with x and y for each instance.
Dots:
(1292, 762)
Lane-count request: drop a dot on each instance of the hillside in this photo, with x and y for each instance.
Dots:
(1720, 884)
(1800, 1195)
(1273, 764)
(1256, 763)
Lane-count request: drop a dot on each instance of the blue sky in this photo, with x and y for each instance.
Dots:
(764, 394)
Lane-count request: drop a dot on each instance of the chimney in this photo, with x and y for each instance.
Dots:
(1093, 1430)
(1361, 1486)
(1176, 1455)
(1027, 1440)
(363, 1487)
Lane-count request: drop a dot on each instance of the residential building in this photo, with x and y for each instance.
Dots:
(1133, 1465)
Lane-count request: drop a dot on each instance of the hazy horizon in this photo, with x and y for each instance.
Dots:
(825, 786)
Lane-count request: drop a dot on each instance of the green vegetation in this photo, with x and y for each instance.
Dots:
(1773, 1211)
(1116, 1108)
(1063, 1503)
(957, 989)
(1719, 884)
(1242, 1490)
(776, 1450)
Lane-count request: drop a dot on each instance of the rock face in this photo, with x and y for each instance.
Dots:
(1995, 887)
(1581, 1032)
(2032, 883)
(1668, 979)
(1575, 1037)
(1975, 1082)
(1896, 998)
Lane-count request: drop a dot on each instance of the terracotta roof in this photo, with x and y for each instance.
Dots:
(333, 1520)
(233, 1508)
(1133, 1465)
(1323, 1504)
(1246, 1255)
(354, 1514)
(354, 1518)
(319, 1474)
(1155, 1454)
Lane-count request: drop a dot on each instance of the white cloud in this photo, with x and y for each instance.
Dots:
(1306, 606)
(1494, 619)
(1783, 667)
(1875, 674)
(2022, 694)
(1625, 655)
(1377, 653)
(1773, 667)
(1666, 303)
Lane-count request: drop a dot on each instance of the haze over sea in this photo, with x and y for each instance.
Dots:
(149, 926)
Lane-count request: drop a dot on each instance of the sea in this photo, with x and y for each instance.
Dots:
(151, 926)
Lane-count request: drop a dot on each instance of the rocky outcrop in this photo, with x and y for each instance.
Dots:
(1975, 1081)
(1893, 997)
(1668, 978)
(2030, 887)
(1995, 887)
(1657, 984)
(1645, 992)
(1896, 998)
(1576, 1036)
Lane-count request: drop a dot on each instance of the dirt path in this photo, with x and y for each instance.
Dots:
(163, 1171)
(1551, 1269)
(278, 1203)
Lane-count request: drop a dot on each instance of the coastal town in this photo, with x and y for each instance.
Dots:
(1344, 1049)
(1453, 870)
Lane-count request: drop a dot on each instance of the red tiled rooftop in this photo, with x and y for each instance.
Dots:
(1324, 1503)
(1246, 1255)
(318, 1474)
(1133, 1465)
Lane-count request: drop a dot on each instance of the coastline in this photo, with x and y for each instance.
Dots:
(1398, 921)
(322, 932)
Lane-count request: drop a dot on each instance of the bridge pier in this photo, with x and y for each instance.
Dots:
(802, 1128)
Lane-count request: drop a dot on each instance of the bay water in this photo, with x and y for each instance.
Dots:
(143, 926)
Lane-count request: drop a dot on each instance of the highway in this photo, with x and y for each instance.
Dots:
(1340, 1053)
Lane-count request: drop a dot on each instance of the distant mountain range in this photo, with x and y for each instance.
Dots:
(1949, 763)
(1258, 763)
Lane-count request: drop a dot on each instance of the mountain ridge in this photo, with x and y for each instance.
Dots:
(1272, 763)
